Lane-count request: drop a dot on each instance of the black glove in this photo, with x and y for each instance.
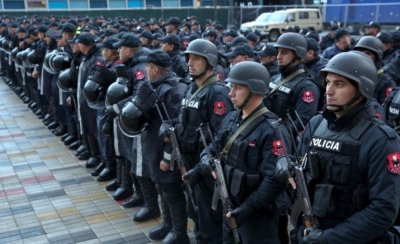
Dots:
(146, 97)
(238, 214)
(112, 111)
(107, 127)
(207, 164)
(314, 236)
(193, 176)
(283, 169)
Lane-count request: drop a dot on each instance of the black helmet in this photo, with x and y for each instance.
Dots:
(6, 45)
(251, 74)
(355, 66)
(47, 62)
(67, 80)
(60, 61)
(372, 44)
(117, 91)
(293, 41)
(131, 120)
(24, 57)
(18, 60)
(14, 53)
(96, 86)
(205, 49)
(33, 58)
(1, 43)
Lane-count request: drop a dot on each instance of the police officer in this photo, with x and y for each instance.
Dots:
(249, 164)
(342, 44)
(267, 56)
(241, 52)
(293, 90)
(88, 125)
(171, 44)
(205, 101)
(156, 152)
(329, 39)
(314, 63)
(354, 178)
(373, 47)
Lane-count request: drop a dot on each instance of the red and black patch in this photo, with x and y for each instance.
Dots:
(99, 63)
(394, 163)
(220, 76)
(139, 75)
(219, 108)
(252, 144)
(388, 90)
(308, 96)
(379, 116)
(277, 148)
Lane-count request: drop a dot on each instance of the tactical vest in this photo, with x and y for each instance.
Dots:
(340, 188)
(282, 100)
(394, 109)
(240, 179)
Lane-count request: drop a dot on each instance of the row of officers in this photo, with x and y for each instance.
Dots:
(161, 135)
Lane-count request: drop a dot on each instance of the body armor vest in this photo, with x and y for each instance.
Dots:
(241, 180)
(192, 115)
(338, 185)
(282, 100)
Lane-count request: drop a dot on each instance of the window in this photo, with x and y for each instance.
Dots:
(98, 4)
(14, 4)
(78, 4)
(58, 4)
(117, 3)
(303, 15)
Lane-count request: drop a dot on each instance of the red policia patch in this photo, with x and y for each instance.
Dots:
(99, 63)
(277, 148)
(252, 144)
(394, 163)
(220, 76)
(139, 75)
(388, 90)
(219, 108)
(308, 96)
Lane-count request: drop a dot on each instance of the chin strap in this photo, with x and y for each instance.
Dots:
(246, 101)
(284, 67)
(195, 77)
(344, 107)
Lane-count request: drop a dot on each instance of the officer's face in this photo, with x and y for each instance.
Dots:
(238, 94)
(339, 91)
(197, 64)
(166, 47)
(285, 56)
(264, 60)
(151, 70)
(237, 59)
(370, 54)
(124, 53)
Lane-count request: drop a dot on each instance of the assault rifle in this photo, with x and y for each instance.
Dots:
(221, 191)
(176, 154)
(300, 182)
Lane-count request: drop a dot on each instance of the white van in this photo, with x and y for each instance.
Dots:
(271, 24)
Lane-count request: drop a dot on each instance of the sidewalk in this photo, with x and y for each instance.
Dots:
(47, 195)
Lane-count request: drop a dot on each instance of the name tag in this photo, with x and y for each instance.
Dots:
(326, 144)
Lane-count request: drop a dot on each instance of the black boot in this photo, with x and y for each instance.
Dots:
(75, 145)
(151, 209)
(160, 231)
(137, 199)
(94, 159)
(81, 148)
(98, 169)
(126, 188)
(176, 200)
(114, 185)
(63, 137)
(109, 172)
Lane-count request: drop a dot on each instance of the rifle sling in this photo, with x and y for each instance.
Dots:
(297, 72)
(204, 85)
(228, 145)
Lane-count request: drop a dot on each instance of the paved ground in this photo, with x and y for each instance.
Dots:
(47, 195)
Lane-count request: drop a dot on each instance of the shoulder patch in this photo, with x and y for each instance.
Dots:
(219, 108)
(277, 148)
(394, 163)
(139, 75)
(99, 63)
(388, 90)
(308, 96)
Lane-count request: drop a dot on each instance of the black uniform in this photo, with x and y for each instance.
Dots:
(314, 67)
(384, 86)
(250, 165)
(299, 93)
(326, 41)
(356, 195)
(392, 108)
(210, 105)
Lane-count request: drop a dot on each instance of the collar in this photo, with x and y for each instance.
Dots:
(352, 116)
(289, 71)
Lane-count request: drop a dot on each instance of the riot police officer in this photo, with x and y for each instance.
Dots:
(354, 183)
(373, 47)
(205, 101)
(293, 90)
(248, 164)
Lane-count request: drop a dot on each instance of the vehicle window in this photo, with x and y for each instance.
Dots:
(303, 15)
(277, 17)
(263, 17)
(291, 17)
(313, 15)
